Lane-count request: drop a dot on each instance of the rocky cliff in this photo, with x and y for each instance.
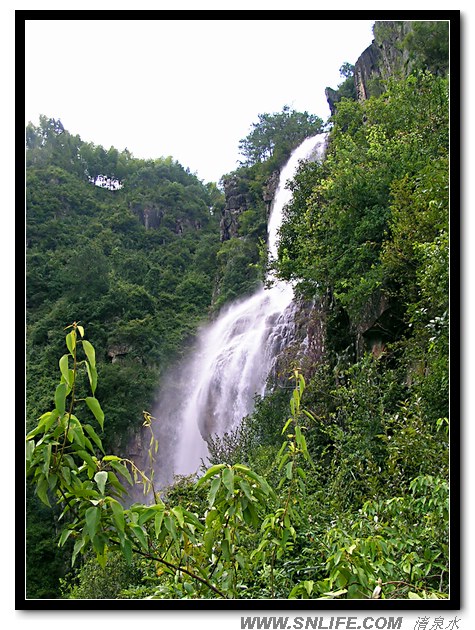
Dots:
(239, 199)
(386, 56)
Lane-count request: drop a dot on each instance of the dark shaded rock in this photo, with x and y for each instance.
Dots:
(118, 351)
(150, 216)
(366, 69)
(333, 97)
(379, 322)
(386, 56)
(237, 201)
(270, 188)
(307, 340)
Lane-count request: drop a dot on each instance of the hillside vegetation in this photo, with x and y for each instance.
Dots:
(336, 487)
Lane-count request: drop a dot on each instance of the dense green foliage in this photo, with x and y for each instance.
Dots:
(373, 220)
(236, 532)
(137, 264)
(344, 497)
(275, 135)
(242, 257)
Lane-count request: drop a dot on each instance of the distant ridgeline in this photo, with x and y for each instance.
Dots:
(149, 252)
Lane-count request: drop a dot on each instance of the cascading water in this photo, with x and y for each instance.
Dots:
(233, 357)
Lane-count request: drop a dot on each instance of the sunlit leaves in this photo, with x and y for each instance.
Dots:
(60, 397)
(101, 479)
(282, 129)
(336, 226)
(233, 529)
(95, 407)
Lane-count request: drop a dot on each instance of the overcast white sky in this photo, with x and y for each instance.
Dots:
(186, 88)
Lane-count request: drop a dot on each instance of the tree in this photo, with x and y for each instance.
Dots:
(428, 46)
(206, 555)
(232, 534)
(279, 131)
(338, 220)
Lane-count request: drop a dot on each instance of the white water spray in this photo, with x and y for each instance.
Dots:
(233, 357)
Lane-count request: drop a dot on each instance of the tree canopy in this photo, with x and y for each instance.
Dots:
(281, 131)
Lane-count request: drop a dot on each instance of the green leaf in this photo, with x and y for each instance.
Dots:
(288, 470)
(66, 472)
(210, 473)
(93, 518)
(209, 541)
(45, 423)
(145, 514)
(64, 536)
(90, 353)
(158, 522)
(75, 434)
(47, 459)
(92, 375)
(79, 544)
(141, 536)
(101, 478)
(292, 406)
(81, 331)
(93, 435)
(178, 512)
(121, 469)
(241, 467)
(64, 368)
(286, 426)
(251, 513)
(302, 442)
(301, 473)
(71, 341)
(261, 482)
(226, 550)
(60, 397)
(42, 489)
(171, 527)
(127, 550)
(95, 407)
(296, 399)
(412, 595)
(114, 481)
(87, 458)
(246, 488)
(29, 450)
(283, 460)
(118, 515)
(228, 480)
(215, 485)
(309, 414)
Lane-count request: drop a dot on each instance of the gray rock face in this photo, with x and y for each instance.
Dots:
(333, 97)
(239, 199)
(270, 188)
(237, 202)
(383, 58)
(367, 68)
(118, 351)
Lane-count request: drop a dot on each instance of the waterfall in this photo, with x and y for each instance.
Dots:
(216, 386)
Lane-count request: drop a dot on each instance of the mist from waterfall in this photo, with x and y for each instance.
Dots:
(215, 387)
